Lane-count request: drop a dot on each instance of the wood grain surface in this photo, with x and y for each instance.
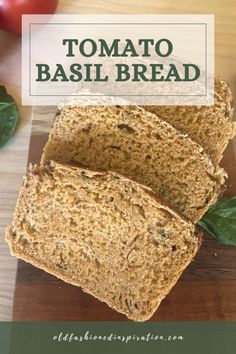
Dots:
(205, 292)
(14, 156)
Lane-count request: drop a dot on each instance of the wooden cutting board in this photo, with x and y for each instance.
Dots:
(205, 292)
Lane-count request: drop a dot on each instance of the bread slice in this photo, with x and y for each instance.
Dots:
(210, 126)
(103, 232)
(139, 145)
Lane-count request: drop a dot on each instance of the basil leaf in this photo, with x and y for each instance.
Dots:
(9, 116)
(220, 221)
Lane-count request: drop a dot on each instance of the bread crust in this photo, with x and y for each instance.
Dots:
(213, 127)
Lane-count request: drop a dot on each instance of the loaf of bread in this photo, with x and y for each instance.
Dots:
(104, 233)
(139, 145)
(210, 126)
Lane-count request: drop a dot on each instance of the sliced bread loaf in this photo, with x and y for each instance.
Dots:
(139, 145)
(210, 126)
(103, 232)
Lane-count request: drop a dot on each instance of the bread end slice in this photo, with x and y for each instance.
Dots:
(210, 126)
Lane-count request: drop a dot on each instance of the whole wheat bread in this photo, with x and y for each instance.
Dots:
(103, 232)
(210, 126)
(139, 145)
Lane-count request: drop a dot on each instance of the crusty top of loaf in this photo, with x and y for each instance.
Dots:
(141, 146)
(210, 126)
(103, 232)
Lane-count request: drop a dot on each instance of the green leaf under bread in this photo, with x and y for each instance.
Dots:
(220, 221)
(9, 116)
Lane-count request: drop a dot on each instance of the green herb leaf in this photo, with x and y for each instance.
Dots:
(220, 221)
(9, 116)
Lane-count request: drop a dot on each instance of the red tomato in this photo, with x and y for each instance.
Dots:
(11, 11)
(3, 23)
